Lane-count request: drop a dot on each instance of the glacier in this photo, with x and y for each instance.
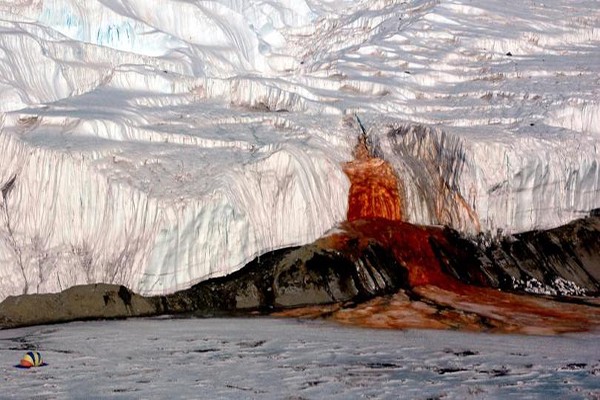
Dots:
(157, 147)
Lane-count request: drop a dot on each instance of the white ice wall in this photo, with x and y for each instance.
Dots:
(68, 224)
(158, 145)
(70, 217)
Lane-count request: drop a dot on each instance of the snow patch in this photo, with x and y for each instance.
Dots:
(559, 286)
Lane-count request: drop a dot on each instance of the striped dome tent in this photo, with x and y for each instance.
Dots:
(31, 359)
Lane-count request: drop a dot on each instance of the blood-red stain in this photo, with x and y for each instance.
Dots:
(374, 187)
(435, 299)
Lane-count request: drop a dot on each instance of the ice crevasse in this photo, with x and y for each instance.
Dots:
(160, 146)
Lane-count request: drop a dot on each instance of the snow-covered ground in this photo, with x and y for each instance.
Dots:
(287, 359)
(159, 145)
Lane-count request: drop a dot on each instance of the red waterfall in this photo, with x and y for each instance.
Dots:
(435, 299)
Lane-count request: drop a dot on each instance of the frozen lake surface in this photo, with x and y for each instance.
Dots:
(287, 359)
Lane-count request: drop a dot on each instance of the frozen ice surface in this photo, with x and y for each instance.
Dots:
(286, 359)
(157, 146)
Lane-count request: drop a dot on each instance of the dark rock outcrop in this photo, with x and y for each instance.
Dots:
(560, 261)
(76, 303)
(295, 277)
(281, 279)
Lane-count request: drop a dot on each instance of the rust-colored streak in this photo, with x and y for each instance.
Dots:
(374, 187)
(409, 243)
(479, 310)
(437, 300)
(433, 298)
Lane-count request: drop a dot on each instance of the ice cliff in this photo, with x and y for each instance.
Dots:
(158, 145)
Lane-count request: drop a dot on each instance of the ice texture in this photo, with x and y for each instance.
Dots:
(159, 145)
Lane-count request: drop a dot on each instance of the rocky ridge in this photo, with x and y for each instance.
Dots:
(355, 265)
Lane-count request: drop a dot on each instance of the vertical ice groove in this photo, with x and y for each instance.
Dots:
(583, 117)
(96, 23)
(280, 200)
(493, 185)
(70, 222)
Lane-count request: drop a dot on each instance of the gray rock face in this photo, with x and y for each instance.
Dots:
(560, 261)
(76, 303)
(295, 277)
